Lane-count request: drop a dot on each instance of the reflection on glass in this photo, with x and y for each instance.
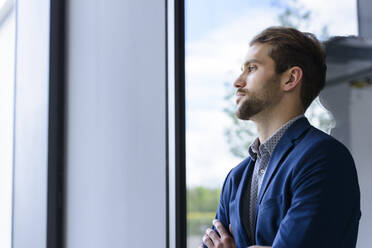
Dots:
(217, 37)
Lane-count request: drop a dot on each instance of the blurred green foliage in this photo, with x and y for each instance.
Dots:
(201, 199)
(202, 205)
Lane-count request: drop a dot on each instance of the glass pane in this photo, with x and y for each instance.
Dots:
(217, 37)
(7, 46)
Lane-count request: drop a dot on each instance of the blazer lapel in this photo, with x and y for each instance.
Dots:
(281, 151)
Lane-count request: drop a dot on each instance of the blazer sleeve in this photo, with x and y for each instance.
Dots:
(325, 204)
(222, 213)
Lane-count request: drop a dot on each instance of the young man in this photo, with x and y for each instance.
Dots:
(298, 188)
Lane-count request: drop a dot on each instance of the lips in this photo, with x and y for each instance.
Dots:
(239, 95)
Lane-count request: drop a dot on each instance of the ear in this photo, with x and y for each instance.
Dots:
(293, 77)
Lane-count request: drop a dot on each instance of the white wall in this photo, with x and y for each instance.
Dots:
(31, 124)
(116, 129)
(365, 18)
(7, 51)
(361, 143)
(352, 110)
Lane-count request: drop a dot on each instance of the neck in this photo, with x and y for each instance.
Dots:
(268, 123)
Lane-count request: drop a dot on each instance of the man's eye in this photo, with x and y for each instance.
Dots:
(251, 68)
(248, 68)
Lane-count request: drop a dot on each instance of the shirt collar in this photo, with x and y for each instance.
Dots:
(257, 150)
(254, 149)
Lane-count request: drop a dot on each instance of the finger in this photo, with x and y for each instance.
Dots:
(213, 235)
(220, 228)
(230, 228)
(207, 241)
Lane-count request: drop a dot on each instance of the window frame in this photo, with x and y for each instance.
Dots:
(176, 125)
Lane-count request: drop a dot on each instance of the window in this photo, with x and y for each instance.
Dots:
(217, 37)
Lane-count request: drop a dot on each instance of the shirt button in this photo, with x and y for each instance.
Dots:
(262, 171)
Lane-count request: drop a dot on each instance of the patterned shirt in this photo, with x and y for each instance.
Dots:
(260, 154)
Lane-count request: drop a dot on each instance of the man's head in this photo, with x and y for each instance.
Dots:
(286, 54)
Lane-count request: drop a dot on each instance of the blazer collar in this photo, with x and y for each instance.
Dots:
(286, 143)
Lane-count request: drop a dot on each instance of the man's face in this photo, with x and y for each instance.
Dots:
(258, 86)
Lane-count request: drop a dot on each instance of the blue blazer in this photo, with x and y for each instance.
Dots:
(309, 195)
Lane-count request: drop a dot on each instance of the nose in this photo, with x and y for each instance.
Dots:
(240, 82)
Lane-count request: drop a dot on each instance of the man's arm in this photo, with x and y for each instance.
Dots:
(222, 214)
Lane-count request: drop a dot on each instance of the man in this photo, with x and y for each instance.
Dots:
(299, 186)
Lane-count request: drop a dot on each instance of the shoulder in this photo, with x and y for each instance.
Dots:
(320, 151)
(237, 173)
(235, 176)
(318, 142)
(307, 137)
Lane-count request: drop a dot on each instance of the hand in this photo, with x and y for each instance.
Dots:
(212, 240)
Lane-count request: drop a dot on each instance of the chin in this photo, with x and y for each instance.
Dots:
(241, 116)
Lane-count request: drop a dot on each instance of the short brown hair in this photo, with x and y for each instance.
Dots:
(290, 47)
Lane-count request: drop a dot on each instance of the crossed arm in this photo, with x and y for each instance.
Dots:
(212, 240)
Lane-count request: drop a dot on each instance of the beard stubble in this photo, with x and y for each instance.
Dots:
(253, 103)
